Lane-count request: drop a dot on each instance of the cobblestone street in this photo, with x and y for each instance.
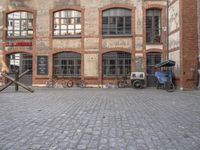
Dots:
(103, 119)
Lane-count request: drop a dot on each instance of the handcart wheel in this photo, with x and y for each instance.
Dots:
(170, 87)
(137, 84)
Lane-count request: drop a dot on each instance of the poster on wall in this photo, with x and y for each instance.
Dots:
(42, 65)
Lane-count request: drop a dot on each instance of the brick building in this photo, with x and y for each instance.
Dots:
(183, 41)
(97, 41)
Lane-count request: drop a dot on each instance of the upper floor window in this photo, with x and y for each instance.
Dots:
(67, 23)
(153, 26)
(20, 24)
(116, 21)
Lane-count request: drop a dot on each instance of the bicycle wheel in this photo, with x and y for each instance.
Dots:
(170, 87)
(64, 84)
(48, 84)
(81, 84)
(120, 84)
(70, 83)
(157, 84)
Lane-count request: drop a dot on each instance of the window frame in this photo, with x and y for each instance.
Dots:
(61, 62)
(152, 30)
(29, 17)
(119, 68)
(125, 29)
(67, 19)
(152, 58)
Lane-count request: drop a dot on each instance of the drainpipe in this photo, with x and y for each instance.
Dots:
(167, 29)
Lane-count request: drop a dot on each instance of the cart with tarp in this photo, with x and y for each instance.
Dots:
(164, 75)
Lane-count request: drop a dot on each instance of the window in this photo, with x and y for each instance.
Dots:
(20, 24)
(67, 23)
(116, 22)
(67, 64)
(21, 61)
(153, 26)
(152, 60)
(116, 64)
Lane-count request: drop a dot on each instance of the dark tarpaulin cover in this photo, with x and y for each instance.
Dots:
(167, 63)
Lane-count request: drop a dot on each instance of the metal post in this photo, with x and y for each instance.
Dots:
(167, 29)
(16, 79)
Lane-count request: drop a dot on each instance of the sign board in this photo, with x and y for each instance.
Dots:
(17, 44)
(42, 65)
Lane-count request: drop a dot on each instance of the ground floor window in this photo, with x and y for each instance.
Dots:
(21, 62)
(67, 64)
(152, 60)
(116, 64)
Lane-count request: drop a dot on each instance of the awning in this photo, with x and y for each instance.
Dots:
(167, 63)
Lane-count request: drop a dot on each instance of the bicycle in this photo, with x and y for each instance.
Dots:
(52, 83)
(124, 82)
(78, 83)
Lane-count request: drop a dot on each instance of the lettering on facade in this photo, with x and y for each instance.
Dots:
(118, 43)
(67, 2)
(42, 65)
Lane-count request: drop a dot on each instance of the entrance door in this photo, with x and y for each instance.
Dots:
(22, 62)
(152, 59)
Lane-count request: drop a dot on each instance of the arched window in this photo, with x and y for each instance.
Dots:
(153, 26)
(116, 64)
(67, 64)
(67, 23)
(116, 21)
(20, 24)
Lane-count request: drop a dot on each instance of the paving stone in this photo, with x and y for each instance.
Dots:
(69, 119)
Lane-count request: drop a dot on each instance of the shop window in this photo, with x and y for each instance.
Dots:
(67, 64)
(153, 26)
(67, 23)
(116, 64)
(20, 24)
(116, 21)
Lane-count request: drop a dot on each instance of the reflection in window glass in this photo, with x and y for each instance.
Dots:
(20, 24)
(67, 22)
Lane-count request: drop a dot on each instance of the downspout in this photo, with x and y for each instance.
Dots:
(167, 29)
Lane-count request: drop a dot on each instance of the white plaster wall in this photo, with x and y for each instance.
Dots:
(160, 46)
(174, 40)
(67, 43)
(174, 14)
(138, 43)
(176, 57)
(90, 65)
(117, 43)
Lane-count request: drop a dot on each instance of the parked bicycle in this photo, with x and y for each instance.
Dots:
(124, 82)
(54, 82)
(78, 83)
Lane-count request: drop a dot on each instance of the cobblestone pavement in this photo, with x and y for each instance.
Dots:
(104, 119)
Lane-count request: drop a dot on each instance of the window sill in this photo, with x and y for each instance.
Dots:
(113, 77)
(68, 37)
(15, 38)
(154, 43)
(117, 36)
